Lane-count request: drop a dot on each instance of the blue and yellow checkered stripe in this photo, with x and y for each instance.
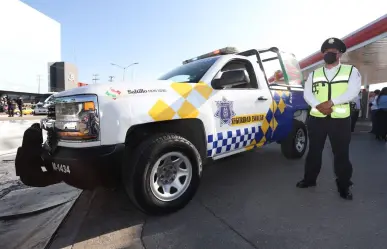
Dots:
(275, 125)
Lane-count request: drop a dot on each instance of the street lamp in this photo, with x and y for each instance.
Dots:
(124, 68)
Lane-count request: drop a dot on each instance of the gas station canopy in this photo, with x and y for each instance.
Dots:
(366, 50)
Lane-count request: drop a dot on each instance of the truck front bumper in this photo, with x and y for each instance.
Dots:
(86, 168)
(83, 168)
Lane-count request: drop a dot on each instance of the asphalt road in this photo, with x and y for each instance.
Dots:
(248, 201)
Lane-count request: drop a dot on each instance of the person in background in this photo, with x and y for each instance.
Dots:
(328, 90)
(19, 103)
(355, 109)
(11, 107)
(382, 99)
(374, 109)
(3, 102)
(381, 116)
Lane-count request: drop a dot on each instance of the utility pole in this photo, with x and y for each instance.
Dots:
(111, 78)
(95, 78)
(39, 83)
(124, 68)
(132, 75)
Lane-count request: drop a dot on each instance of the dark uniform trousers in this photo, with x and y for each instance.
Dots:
(354, 116)
(339, 132)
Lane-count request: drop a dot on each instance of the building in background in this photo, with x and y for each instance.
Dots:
(28, 41)
(62, 76)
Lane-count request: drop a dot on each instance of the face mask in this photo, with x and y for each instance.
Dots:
(330, 58)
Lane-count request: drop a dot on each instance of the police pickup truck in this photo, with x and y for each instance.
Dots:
(155, 137)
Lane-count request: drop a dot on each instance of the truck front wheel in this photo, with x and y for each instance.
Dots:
(162, 175)
(294, 146)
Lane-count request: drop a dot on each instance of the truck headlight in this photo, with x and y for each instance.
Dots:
(77, 118)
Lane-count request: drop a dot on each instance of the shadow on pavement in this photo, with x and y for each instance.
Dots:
(251, 201)
(101, 219)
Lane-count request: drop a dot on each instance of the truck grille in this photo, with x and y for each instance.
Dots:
(51, 112)
(52, 140)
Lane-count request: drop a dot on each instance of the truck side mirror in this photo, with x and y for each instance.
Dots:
(231, 78)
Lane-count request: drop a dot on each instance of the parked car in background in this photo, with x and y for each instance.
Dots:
(40, 109)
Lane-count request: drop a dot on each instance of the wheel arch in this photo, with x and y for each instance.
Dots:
(192, 129)
(301, 115)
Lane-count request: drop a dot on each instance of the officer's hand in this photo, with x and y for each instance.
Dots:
(327, 111)
(325, 105)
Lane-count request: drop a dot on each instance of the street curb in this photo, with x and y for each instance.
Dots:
(10, 152)
(29, 118)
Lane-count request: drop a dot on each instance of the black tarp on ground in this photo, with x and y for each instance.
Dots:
(30, 216)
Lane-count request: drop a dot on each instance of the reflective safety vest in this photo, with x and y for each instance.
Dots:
(325, 90)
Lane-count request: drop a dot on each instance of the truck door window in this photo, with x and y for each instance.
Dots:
(240, 65)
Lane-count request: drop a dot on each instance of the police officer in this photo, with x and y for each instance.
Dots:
(11, 107)
(19, 103)
(328, 91)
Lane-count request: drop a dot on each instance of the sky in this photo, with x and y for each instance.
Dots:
(159, 35)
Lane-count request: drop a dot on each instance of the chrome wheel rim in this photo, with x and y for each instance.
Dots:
(300, 140)
(170, 176)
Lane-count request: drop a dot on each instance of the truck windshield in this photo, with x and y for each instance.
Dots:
(191, 72)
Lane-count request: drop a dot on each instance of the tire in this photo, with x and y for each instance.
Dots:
(140, 165)
(291, 147)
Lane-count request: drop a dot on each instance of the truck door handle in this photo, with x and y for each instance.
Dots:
(262, 98)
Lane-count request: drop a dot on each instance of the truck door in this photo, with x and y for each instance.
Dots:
(286, 85)
(239, 112)
(281, 68)
(292, 73)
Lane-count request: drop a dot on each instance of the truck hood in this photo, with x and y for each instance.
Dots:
(119, 88)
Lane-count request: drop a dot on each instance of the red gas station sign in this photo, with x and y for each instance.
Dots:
(80, 84)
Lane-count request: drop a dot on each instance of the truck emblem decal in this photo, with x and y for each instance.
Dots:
(61, 168)
(225, 111)
(113, 93)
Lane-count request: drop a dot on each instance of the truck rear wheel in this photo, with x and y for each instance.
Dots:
(162, 175)
(294, 146)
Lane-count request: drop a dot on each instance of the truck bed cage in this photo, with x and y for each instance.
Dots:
(258, 53)
(260, 61)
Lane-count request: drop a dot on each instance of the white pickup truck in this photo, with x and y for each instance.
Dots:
(155, 137)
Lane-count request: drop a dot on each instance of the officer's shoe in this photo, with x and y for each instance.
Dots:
(344, 191)
(305, 184)
(346, 194)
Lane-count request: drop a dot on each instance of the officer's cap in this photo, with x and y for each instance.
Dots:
(334, 43)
